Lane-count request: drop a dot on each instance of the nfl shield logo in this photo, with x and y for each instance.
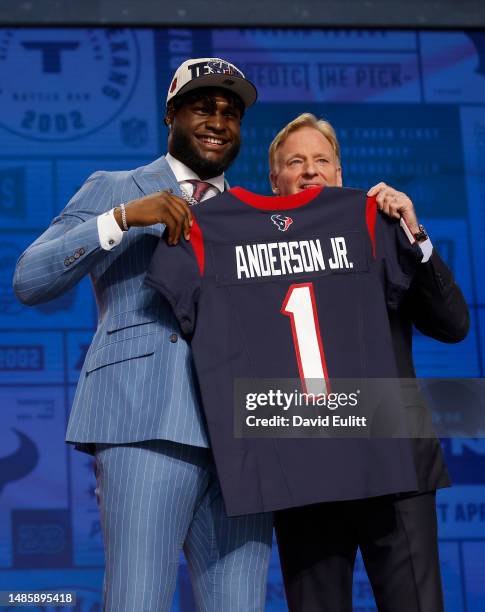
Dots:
(134, 132)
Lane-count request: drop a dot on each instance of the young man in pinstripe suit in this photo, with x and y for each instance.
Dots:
(136, 406)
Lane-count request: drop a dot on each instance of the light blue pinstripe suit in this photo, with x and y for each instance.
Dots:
(137, 385)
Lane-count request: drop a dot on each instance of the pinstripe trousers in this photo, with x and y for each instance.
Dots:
(159, 497)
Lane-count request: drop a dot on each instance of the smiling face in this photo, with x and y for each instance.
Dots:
(304, 160)
(205, 132)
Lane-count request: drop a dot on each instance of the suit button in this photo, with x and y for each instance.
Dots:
(67, 262)
(76, 255)
(71, 259)
(173, 337)
(82, 250)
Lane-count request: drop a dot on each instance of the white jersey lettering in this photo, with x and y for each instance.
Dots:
(278, 258)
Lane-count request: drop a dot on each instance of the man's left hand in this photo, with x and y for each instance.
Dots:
(395, 204)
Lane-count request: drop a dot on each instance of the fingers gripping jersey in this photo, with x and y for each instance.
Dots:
(291, 287)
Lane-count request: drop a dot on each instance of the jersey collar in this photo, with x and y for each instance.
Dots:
(275, 202)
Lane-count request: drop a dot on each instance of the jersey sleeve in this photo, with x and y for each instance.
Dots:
(399, 255)
(176, 272)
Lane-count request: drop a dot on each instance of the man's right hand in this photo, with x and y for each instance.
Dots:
(159, 207)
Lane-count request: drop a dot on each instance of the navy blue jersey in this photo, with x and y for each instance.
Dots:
(290, 288)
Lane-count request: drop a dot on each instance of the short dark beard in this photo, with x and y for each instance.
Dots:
(183, 150)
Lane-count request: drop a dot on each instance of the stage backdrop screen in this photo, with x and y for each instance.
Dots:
(409, 109)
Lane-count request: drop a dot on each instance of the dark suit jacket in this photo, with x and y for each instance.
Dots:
(436, 306)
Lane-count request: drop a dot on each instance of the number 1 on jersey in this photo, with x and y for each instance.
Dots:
(299, 304)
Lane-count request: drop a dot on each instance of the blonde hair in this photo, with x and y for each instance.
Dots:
(304, 120)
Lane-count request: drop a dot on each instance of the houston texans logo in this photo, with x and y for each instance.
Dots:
(281, 222)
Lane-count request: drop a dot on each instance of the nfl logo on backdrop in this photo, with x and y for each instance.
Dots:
(134, 132)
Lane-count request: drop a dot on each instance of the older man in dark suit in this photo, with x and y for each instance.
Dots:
(397, 534)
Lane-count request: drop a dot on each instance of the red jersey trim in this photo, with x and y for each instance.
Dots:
(197, 242)
(275, 202)
(371, 218)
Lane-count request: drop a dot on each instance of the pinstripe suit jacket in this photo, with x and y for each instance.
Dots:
(136, 383)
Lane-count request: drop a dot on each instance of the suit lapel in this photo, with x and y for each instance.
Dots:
(156, 176)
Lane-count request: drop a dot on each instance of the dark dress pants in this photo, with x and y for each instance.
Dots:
(397, 536)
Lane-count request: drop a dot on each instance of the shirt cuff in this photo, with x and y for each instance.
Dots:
(427, 247)
(109, 232)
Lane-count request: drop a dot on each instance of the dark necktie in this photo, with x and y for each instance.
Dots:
(200, 188)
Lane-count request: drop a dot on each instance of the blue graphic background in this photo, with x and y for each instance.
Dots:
(409, 108)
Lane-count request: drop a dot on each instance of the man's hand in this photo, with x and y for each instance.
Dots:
(395, 204)
(159, 207)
